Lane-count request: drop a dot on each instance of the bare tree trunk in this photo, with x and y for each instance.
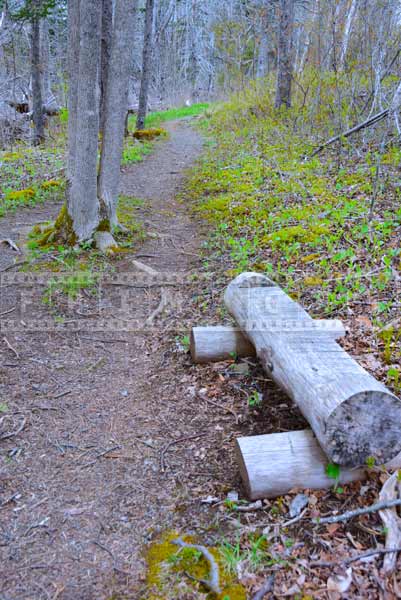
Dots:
(45, 60)
(83, 206)
(107, 33)
(347, 31)
(73, 64)
(115, 109)
(36, 73)
(146, 65)
(284, 66)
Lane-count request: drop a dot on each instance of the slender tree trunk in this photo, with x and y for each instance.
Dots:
(73, 65)
(347, 31)
(115, 109)
(45, 60)
(83, 206)
(146, 65)
(36, 72)
(284, 66)
(107, 33)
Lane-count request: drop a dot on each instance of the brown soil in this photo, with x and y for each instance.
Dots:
(90, 479)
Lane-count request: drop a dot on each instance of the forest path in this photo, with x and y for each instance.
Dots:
(82, 486)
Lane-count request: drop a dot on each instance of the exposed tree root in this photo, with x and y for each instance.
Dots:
(213, 583)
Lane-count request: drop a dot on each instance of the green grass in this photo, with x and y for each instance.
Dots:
(134, 151)
(155, 118)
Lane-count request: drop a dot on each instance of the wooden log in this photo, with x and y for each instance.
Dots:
(215, 343)
(353, 416)
(211, 344)
(272, 465)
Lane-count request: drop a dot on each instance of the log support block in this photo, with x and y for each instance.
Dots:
(272, 465)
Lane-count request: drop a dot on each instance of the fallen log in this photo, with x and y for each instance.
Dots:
(271, 465)
(353, 416)
(219, 342)
(211, 344)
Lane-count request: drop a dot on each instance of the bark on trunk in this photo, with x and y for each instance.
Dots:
(45, 61)
(353, 415)
(284, 64)
(146, 65)
(107, 34)
(38, 117)
(211, 344)
(73, 66)
(115, 108)
(83, 206)
(272, 465)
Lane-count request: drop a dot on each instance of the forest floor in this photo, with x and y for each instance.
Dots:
(121, 439)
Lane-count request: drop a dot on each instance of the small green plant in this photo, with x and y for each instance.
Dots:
(3, 407)
(255, 399)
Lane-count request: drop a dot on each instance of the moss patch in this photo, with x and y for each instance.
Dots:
(171, 569)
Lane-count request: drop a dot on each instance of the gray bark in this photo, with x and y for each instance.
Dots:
(73, 64)
(284, 64)
(107, 34)
(45, 61)
(353, 415)
(83, 205)
(38, 117)
(146, 65)
(116, 101)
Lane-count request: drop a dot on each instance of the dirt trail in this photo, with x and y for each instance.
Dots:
(81, 487)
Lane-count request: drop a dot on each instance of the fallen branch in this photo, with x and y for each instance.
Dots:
(265, 589)
(7, 436)
(392, 523)
(10, 347)
(345, 134)
(172, 443)
(347, 561)
(213, 583)
(359, 511)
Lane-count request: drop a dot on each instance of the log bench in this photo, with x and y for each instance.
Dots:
(353, 416)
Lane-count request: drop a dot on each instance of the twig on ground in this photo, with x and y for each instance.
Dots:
(265, 589)
(359, 511)
(164, 301)
(16, 264)
(7, 436)
(89, 464)
(347, 561)
(10, 347)
(7, 312)
(221, 406)
(213, 583)
(172, 443)
(11, 243)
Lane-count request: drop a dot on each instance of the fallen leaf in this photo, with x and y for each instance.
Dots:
(340, 583)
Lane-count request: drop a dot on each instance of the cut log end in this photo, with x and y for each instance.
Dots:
(365, 426)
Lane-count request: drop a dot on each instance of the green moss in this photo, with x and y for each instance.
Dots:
(21, 196)
(62, 232)
(167, 565)
(104, 225)
(149, 134)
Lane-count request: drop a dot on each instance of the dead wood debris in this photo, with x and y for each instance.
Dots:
(213, 583)
(391, 491)
(359, 511)
(172, 443)
(7, 436)
(265, 589)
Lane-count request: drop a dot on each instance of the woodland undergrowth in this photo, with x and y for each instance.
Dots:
(325, 228)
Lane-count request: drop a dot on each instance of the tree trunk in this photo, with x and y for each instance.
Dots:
(353, 416)
(38, 117)
(115, 109)
(107, 34)
(347, 31)
(272, 465)
(83, 206)
(45, 61)
(284, 64)
(73, 65)
(146, 65)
